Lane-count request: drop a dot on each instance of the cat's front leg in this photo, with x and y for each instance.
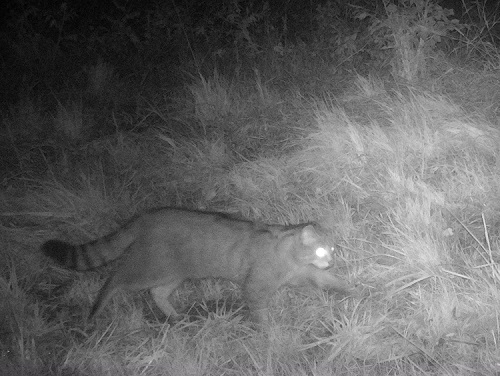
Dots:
(326, 280)
(257, 294)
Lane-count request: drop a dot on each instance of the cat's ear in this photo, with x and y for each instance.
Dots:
(308, 235)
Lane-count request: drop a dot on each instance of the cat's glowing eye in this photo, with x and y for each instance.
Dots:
(321, 252)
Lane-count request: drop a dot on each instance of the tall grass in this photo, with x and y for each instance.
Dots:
(406, 187)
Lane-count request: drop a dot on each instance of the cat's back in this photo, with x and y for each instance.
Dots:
(206, 243)
(193, 223)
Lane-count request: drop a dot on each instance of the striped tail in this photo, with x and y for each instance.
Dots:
(90, 255)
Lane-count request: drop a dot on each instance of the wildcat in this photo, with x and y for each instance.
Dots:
(163, 247)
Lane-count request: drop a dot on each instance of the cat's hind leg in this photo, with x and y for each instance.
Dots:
(161, 296)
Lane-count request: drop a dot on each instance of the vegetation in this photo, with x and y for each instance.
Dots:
(377, 119)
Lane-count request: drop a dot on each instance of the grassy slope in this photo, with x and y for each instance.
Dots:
(406, 183)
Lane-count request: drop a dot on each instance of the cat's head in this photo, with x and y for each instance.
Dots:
(312, 248)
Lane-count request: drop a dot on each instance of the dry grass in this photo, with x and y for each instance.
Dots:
(407, 186)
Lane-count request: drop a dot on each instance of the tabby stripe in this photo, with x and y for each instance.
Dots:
(87, 258)
(73, 257)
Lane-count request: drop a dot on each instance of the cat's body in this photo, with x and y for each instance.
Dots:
(164, 247)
